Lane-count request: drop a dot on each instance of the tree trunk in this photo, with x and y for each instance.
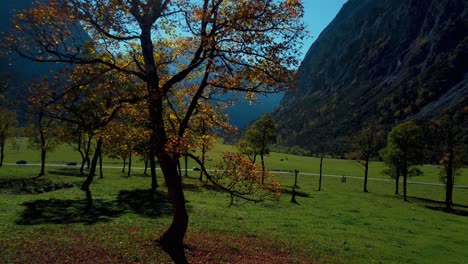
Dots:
(186, 163)
(450, 181)
(124, 165)
(320, 177)
(43, 149)
(397, 183)
(129, 165)
(293, 198)
(101, 174)
(83, 157)
(89, 179)
(263, 167)
(88, 149)
(405, 181)
(366, 172)
(43, 158)
(145, 172)
(152, 160)
(202, 162)
(179, 168)
(172, 241)
(2, 153)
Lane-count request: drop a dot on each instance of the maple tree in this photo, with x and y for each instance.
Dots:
(249, 46)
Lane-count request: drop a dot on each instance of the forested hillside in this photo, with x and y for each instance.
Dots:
(385, 60)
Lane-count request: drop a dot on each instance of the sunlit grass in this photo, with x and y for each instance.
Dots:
(339, 224)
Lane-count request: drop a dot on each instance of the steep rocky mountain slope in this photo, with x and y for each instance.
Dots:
(388, 60)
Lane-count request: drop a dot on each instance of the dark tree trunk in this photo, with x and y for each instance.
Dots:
(397, 183)
(179, 168)
(172, 240)
(186, 163)
(129, 172)
(366, 173)
(80, 150)
(43, 147)
(124, 165)
(405, 181)
(145, 172)
(2, 153)
(101, 174)
(152, 160)
(320, 177)
(293, 198)
(202, 162)
(263, 167)
(89, 179)
(450, 181)
(43, 159)
(88, 149)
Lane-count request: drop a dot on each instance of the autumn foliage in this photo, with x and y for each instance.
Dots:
(243, 179)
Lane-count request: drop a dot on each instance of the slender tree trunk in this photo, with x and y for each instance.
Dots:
(101, 174)
(152, 160)
(43, 159)
(124, 165)
(2, 153)
(146, 168)
(263, 167)
(129, 165)
(450, 181)
(186, 163)
(179, 168)
(83, 158)
(293, 198)
(89, 179)
(366, 172)
(43, 147)
(397, 183)
(88, 149)
(405, 181)
(202, 161)
(320, 177)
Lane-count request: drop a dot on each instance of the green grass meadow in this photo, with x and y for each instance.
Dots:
(339, 224)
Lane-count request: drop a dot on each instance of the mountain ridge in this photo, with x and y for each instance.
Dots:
(386, 60)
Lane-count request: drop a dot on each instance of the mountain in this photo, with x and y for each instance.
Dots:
(386, 60)
(18, 71)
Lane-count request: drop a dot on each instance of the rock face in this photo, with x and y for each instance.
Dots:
(388, 60)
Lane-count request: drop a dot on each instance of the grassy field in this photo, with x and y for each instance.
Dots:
(339, 224)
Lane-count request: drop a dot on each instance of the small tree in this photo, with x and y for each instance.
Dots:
(365, 145)
(258, 138)
(403, 151)
(43, 132)
(7, 124)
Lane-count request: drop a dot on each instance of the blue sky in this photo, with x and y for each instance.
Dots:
(318, 14)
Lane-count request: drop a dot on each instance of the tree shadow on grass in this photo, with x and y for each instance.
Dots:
(56, 211)
(288, 191)
(454, 210)
(72, 172)
(440, 206)
(194, 187)
(141, 202)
